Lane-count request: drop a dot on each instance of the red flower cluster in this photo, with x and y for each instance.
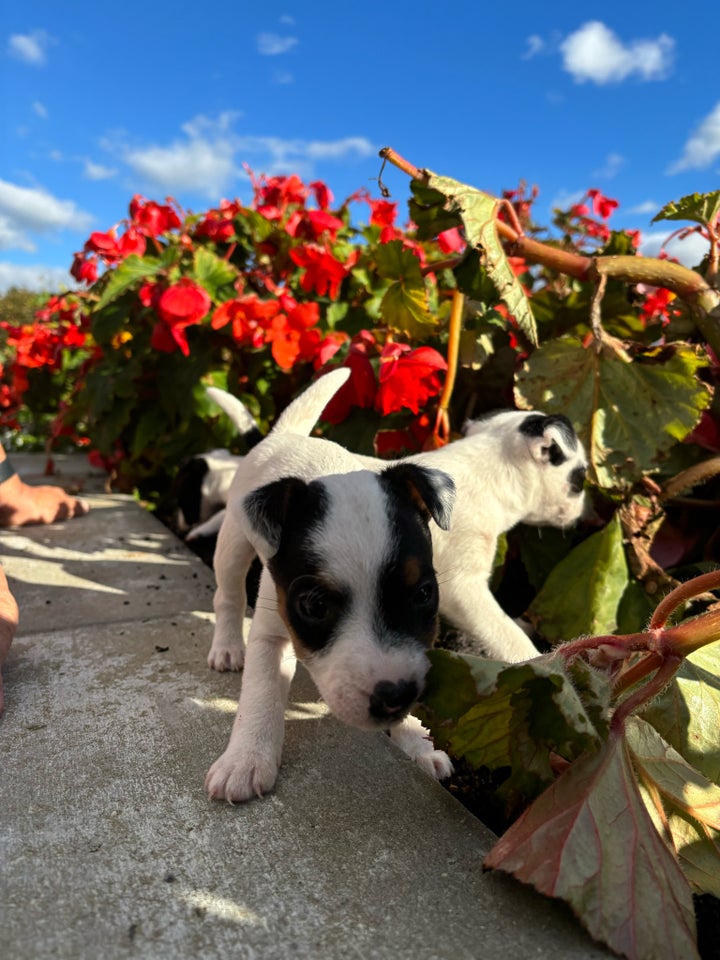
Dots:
(288, 326)
(178, 307)
(407, 379)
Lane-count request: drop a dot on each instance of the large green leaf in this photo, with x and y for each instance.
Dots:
(582, 593)
(476, 210)
(212, 272)
(687, 712)
(691, 804)
(131, 271)
(496, 715)
(698, 207)
(628, 413)
(405, 304)
(589, 840)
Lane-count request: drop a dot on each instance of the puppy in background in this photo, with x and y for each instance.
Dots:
(348, 587)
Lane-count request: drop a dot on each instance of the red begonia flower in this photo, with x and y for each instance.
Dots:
(104, 244)
(451, 241)
(602, 206)
(323, 273)
(382, 213)
(132, 241)
(152, 218)
(408, 378)
(360, 390)
(250, 318)
(311, 224)
(178, 306)
(323, 196)
(84, 269)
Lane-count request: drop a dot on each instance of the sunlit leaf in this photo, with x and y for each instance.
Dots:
(691, 804)
(477, 212)
(582, 593)
(628, 414)
(212, 272)
(687, 712)
(494, 715)
(698, 207)
(405, 304)
(133, 270)
(589, 840)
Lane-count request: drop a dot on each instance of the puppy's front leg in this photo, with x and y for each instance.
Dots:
(471, 608)
(249, 765)
(233, 557)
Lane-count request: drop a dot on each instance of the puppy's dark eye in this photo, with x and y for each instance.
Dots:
(426, 594)
(312, 606)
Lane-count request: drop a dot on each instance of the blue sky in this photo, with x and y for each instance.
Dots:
(101, 101)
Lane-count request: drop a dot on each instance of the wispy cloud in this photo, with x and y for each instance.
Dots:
(208, 160)
(613, 164)
(703, 147)
(40, 109)
(647, 207)
(594, 53)
(31, 48)
(97, 171)
(272, 44)
(25, 211)
(534, 46)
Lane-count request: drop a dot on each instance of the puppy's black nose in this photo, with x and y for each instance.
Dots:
(390, 701)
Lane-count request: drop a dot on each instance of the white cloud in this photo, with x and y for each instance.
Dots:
(96, 171)
(211, 157)
(196, 165)
(646, 207)
(596, 54)
(703, 147)
(613, 164)
(39, 278)
(30, 47)
(689, 251)
(272, 44)
(535, 45)
(28, 210)
(283, 77)
(40, 109)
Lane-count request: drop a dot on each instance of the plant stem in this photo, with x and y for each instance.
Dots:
(703, 299)
(652, 688)
(681, 594)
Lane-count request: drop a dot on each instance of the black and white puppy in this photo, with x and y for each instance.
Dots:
(348, 587)
(510, 467)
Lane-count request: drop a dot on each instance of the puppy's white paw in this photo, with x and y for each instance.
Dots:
(414, 740)
(237, 777)
(226, 656)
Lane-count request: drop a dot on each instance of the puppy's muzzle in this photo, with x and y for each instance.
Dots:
(389, 702)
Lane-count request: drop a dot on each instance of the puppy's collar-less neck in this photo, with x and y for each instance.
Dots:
(6, 470)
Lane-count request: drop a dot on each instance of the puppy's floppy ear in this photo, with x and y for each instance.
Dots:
(549, 437)
(266, 511)
(431, 491)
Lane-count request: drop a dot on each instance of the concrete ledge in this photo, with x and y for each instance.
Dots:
(110, 847)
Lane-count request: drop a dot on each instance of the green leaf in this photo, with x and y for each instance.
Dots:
(495, 715)
(700, 208)
(405, 304)
(477, 211)
(691, 804)
(133, 270)
(628, 413)
(212, 272)
(589, 840)
(582, 593)
(687, 712)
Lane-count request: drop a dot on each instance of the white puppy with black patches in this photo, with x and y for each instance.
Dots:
(509, 467)
(348, 586)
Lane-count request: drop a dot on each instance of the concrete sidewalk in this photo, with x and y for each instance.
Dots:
(108, 844)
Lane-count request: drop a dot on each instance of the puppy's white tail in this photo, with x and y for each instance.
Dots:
(304, 412)
(239, 414)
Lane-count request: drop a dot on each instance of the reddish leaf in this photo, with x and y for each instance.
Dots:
(590, 841)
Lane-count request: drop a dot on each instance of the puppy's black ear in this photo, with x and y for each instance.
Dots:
(550, 439)
(266, 511)
(431, 491)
